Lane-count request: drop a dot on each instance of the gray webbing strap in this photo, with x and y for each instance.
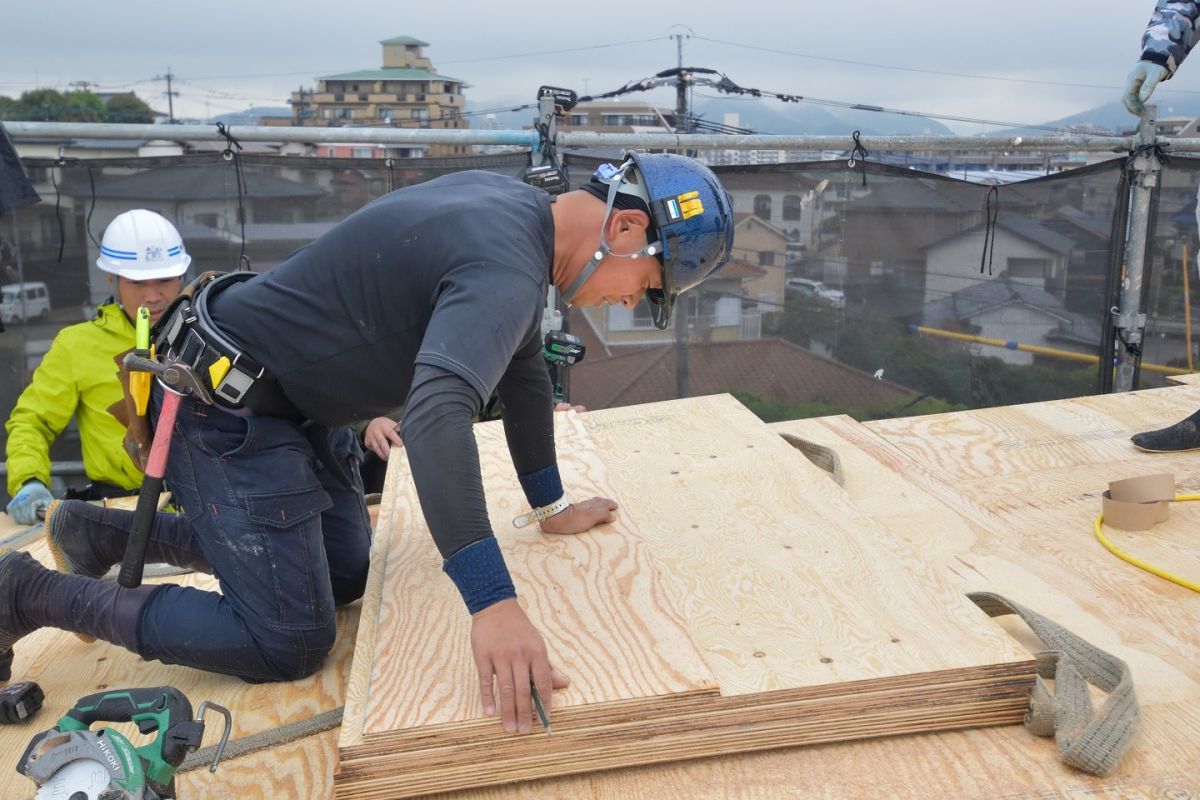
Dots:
(824, 457)
(260, 741)
(1088, 740)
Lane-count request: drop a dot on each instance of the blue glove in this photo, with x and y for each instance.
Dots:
(1140, 84)
(24, 506)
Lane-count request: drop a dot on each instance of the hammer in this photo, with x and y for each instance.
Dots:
(178, 379)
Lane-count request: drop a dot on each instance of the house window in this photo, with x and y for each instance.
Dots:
(766, 258)
(762, 206)
(579, 119)
(420, 113)
(387, 113)
(791, 207)
(361, 152)
(207, 220)
(1035, 268)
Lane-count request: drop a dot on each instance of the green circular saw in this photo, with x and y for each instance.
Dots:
(72, 762)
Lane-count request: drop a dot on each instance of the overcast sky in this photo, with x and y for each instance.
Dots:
(228, 55)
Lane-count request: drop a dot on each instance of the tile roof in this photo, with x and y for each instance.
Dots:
(389, 74)
(968, 303)
(405, 40)
(773, 369)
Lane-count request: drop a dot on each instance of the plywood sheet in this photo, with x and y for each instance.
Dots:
(815, 624)
(785, 583)
(1005, 762)
(596, 599)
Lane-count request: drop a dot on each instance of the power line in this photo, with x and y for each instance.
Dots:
(899, 68)
(553, 52)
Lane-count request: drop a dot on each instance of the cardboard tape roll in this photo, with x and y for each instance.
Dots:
(1137, 504)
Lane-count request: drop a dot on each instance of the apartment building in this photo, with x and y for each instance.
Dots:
(405, 92)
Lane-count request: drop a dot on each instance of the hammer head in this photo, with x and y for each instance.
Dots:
(174, 375)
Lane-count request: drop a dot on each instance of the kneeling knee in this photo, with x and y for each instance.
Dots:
(300, 653)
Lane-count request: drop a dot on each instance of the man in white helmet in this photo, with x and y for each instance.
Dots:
(145, 260)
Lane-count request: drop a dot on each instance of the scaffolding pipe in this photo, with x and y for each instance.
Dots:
(912, 144)
(67, 131)
(1129, 319)
(1053, 352)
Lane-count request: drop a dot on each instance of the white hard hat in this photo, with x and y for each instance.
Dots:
(142, 246)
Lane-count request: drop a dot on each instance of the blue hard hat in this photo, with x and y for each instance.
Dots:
(693, 217)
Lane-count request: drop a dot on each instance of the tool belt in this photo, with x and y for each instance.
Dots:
(186, 333)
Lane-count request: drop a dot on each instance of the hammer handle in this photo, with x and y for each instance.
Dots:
(134, 562)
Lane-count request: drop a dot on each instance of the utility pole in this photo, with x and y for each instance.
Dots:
(681, 309)
(169, 77)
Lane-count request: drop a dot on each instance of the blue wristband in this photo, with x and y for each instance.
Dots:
(479, 572)
(542, 487)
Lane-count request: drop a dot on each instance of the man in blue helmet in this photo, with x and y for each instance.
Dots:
(430, 297)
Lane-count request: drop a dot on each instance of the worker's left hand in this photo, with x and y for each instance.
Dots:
(582, 516)
(1140, 84)
(569, 407)
(381, 435)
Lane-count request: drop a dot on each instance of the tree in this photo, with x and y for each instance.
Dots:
(82, 107)
(39, 105)
(49, 105)
(128, 108)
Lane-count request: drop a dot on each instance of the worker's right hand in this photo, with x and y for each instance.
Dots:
(1140, 84)
(24, 506)
(508, 650)
(379, 436)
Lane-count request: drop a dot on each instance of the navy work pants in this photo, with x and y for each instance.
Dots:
(286, 541)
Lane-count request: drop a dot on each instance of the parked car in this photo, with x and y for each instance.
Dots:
(805, 287)
(24, 301)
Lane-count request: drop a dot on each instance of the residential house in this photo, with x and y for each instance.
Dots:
(758, 242)
(790, 200)
(1017, 248)
(1015, 310)
(202, 200)
(405, 92)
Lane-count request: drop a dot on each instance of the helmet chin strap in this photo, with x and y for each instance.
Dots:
(605, 249)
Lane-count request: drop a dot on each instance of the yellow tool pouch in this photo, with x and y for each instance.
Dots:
(138, 433)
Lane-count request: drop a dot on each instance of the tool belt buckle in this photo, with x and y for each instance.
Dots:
(236, 383)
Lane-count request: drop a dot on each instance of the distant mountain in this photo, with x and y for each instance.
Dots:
(800, 118)
(252, 115)
(758, 115)
(1110, 116)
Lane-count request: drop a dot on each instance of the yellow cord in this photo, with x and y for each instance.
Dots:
(1162, 573)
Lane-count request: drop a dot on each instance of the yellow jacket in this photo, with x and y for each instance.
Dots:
(77, 377)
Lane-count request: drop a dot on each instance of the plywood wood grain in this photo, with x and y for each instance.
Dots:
(816, 625)
(1004, 762)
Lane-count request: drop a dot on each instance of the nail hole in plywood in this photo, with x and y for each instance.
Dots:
(826, 660)
(759, 654)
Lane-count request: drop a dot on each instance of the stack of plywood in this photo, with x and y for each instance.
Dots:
(739, 603)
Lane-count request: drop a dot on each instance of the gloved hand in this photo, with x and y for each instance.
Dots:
(24, 506)
(1140, 84)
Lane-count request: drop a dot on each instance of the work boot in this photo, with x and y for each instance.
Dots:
(33, 597)
(1183, 435)
(87, 539)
